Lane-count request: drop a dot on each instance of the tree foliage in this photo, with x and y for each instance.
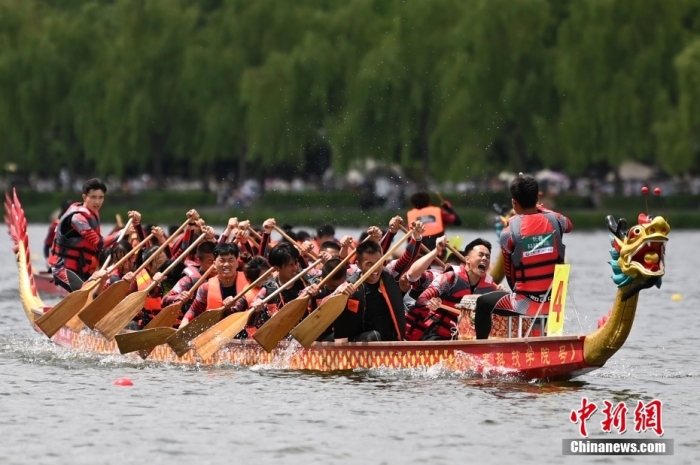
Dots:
(449, 89)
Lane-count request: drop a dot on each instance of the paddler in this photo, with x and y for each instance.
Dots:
(375, 311)
(431, 323)
(285, 259)
(220, 289)
(531, 245)
(190, 275)
(435, 219)
(78, 239)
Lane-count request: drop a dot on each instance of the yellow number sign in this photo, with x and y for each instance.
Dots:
(555, 322)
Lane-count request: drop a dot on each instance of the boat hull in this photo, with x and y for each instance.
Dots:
(546, 358)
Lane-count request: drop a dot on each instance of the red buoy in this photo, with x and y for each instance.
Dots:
(645, 190)
(123, 382)
(657, 191)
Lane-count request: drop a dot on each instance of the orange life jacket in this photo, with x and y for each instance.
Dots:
(431, 217)
(215, 299)
(537, 249)
(143, 280)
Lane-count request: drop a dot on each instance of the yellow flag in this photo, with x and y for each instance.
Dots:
(555, 322)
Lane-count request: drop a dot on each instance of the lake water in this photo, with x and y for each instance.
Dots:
(60, 406)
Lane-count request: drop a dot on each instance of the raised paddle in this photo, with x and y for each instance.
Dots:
(107, 299)
(214, 338)
(114, 294)
(53, 320)
(293, 242)
(127, 309)
(424, 248)
(456, 253)
(179, 341)
(318, 321)
(278, 326)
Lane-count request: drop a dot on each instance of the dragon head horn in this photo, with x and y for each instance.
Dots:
(618, 228)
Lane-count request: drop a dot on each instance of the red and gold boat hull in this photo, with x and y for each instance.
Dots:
(544, 358)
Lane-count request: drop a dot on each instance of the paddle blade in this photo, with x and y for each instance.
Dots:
(281, 323)
(315, 324)
(122, 314)
(104, 303)
(214, 338)
(53, 320)
(166, 317)
(142, 340)
(179, 341)
(76, 324)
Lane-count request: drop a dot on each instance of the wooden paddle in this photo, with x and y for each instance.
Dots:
(287, 318)
(215, 337)
(127, 309)
(168, 315)
(318, 321)
(120, 223)
(456, 253)
(110, 298)
(97, 309)
(53, 320)
(142, 340)
(293, 242)
(179, 342)
(165, 318)
(424, 248)
(269, 333)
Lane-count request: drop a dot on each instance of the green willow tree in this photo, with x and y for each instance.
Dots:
(449, 89)
(614, 70)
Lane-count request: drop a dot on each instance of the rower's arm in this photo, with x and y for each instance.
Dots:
(184, 284)
(396, 267)
(449, 215)
(199, 304)
(506, 242)
(442, 285)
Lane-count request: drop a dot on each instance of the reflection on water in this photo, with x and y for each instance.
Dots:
(228, 413)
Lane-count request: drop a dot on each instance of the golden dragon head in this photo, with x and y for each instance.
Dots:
(638, 253)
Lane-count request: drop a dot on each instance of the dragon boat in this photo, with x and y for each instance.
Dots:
(637, 262)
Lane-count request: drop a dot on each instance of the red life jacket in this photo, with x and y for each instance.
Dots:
(152, 306)
(537, 249)
(431, 217)
(69, 249)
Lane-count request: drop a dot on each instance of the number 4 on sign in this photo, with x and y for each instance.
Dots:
(555, 322)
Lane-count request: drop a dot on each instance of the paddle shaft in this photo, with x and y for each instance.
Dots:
(250, 286)
(182, 256)
(456, 252)
(293, 242)
(342, 264)
(423, 247)
(282, 287)
(201, 280)
(121, 236)
(161, 248)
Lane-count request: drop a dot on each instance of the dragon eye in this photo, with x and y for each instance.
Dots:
(634, 232)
